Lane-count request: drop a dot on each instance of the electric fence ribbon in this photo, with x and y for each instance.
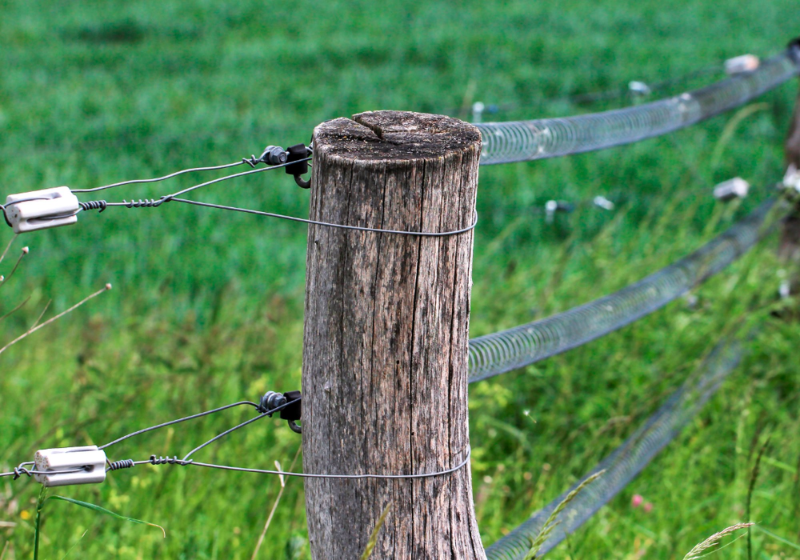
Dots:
(507, 142)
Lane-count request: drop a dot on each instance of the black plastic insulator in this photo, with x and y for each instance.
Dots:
(296, 153)
(794, 50)
(294, 410)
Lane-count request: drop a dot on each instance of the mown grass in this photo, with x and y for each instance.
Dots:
(207, 306)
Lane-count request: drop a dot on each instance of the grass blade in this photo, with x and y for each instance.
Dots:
(99, 509)
(373, 538)
(751, 487)
(779, 538)
(37, 522)
(700, 549)
(551, 522)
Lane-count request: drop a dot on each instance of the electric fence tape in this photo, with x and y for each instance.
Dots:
(526, 344)
(514, 141)
(623, 464)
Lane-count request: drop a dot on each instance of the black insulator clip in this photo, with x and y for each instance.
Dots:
(298, 153)
(293, 412)
(289, 404)
(794, 50)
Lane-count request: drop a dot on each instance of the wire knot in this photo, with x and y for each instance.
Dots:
(19, 471)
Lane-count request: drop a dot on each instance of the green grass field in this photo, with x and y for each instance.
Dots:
(207, 306)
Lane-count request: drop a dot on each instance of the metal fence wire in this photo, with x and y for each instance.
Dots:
(506, 142)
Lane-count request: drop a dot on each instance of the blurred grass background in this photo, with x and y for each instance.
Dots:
(207, 306)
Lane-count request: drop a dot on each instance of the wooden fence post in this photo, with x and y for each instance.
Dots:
(386, 334)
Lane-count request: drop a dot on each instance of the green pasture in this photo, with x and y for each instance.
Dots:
(207, 305)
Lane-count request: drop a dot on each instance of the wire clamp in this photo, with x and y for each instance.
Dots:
(67, 466)
(794, 50)
(272, 155)
(43, 209)
(289, 404)
(299, 153)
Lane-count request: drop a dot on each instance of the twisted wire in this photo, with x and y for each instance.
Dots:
(183, 462)
(526, 344)
(506, 142)
(93, 205)
(154, 460)
(144, 203)
(623, 464)
(118, 465)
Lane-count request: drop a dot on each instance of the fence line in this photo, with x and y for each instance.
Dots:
(496, 353)
(520, 346)
(623, 464)
(514, 141)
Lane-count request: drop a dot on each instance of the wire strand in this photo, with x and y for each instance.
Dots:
(328, 224)
(178, 421)
(269, 412)
(156, 202)
(174, 461)
(157, 179)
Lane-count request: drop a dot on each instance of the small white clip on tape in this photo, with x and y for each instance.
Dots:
(67, 466)
(741, 64)
(732, 188)
(42, 209)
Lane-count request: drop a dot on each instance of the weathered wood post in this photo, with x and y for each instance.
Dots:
(386, 334)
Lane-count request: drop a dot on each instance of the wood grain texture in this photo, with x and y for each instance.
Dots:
(386, 334)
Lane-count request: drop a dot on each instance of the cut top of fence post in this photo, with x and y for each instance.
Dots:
(386, 336)
(395, 136)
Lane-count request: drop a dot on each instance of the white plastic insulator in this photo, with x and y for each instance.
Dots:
(477, 111)
(791, 180)
(89, 464)
(741, 64)
(602, 202)
(639, 88)
(732, 188)
(42, 209)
